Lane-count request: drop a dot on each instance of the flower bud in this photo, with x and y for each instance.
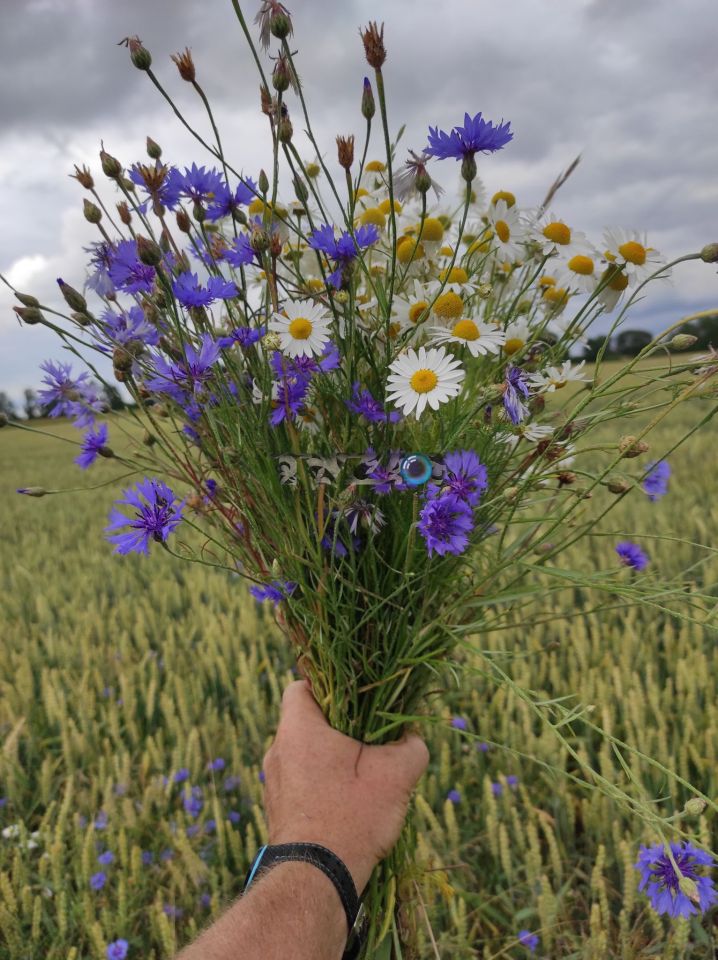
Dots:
(29, 315)
(689, 888)
(183, 221)
(124, 213)
(301, 191)
(374, 49)
(510, 494)
(111, 166)
(285, 130)
(619, 485)
(198, 212)
(122, 360)
(694, 807)
(72, 297)
(345, 151)
(83, 177)
(484, 290)
(154, 150)
(566, 478)
(468, 168)
(27, 299)
(631, 447)
(422, 180)
(149, 439)
(368, 107)
(544, 548)
(265, 99)
(32, 491)
(281, 75)
(275, 245)
(682, 341)
(263, 182)
(82, 319)
(92, 212)
(312, 170)
(139, 55)
(148, 252)
(259, 239)
(280, 24)
(165, 244)
(709, 253)
(185, 65)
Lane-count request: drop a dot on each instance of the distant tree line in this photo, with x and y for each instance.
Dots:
(628, 343)
(31, 408)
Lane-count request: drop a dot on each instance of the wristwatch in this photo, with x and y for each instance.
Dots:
(334, 868)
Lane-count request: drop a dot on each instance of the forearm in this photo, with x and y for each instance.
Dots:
(292, 911)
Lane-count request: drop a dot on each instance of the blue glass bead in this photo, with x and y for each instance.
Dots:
(416, 469)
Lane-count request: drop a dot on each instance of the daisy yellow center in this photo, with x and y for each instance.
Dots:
(361, 192)
(315, 284)
(455, 275)
(555, 295)
(423, 381)
(513, 344)
(375, 166)
(505, 195)
(547, 281)
(385, 206)
(481, 246)
(558, 384)
(449, 306)
(394, 330)
(503, 231)
(557, 233)
(256, 206)
(432, 230)
(313, 170)
(581, 264)
(633, 252)
(375, 216)
(619, 281)
(417, 311)
(300, 328)
(609, 256)
(466, 330)
(446, 251)
(408, 249)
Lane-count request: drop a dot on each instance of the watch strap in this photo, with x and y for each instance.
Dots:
(332, 867)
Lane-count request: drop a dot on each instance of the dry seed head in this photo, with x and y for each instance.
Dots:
(631, 447)
(373, 39)
(694, 807)
(345, 151)
(83, 177)
(619, 486)
(124, 213)
(185, 65)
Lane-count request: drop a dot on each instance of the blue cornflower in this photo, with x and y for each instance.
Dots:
(188, 375)
(262, 776)
(173, 912)
(101, 820)
(234, 817)
(343, 249)
(99, 265)
(190, 292)
(528, 940)
(117, 950)
(130, 327)
(515, 387)
(244, 336)
(147, 858)
(127, 271)
(217, 765)
(289, 400)
(512, 781)
(193, 802)
(106, 858)
(181, 775)
(167, 854)
(483, 746)
(161, 183)
(445, 523)
(231, 783)
(497, 788)
(465, 476)
(655, 483)
(663, 885)
(157, 512)
(210, 826)
(226, 202)
(631, 555)
(98, 880)
(205, 901)
(92, 446)
(476, 136)
(240, 252)
(276, 591)
(68, 396)
(454, 796)
(458, 723)
(198, 183)
(192, 830)
(364, 405)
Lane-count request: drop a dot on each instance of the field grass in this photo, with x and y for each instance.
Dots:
(118, 673)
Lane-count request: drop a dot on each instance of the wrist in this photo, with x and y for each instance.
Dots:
(357, 863)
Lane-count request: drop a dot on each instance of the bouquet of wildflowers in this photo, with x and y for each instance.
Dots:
(364, 399)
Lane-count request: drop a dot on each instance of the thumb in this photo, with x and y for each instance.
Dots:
(410, 756)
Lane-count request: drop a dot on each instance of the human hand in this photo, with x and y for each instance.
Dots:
(323, 787)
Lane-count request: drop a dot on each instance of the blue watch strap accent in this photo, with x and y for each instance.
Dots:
(255, 866)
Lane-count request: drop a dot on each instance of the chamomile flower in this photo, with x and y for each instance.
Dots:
(509, 232)
(555, 378)
(454, 278)
(518, 334)
(413, 308)
(614, 281)
(533, 432)
(424, 377)
(303, 328)
(555, 236)
(581, 271)
(481, 338)
(629, 249)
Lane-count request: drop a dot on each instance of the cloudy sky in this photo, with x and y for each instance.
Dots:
(629, 84)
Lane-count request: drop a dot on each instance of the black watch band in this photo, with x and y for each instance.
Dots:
(334, 868)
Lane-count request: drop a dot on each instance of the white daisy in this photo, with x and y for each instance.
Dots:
(480, 338)
(412, 309)
(555, 378)
(629, 248)
(303, 328)
(421, 377)
(509, 232)
(518, 335)
(581, 271)
(533, 432)
(616, 282)
(555, 236)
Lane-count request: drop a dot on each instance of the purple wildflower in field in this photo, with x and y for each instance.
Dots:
(92, 445)
(291, 394)
(106, 858)
(364, 405)
(631, 555)
(205, 900)
(130, 326)
(210, 826)
(126, 270)
(165, 188)
(475, 136)
(464, 475)
(385, 477)
(343, 249)
(157, 512)
(458, 723)
(515, 387)
(65, 395)
(217, 765)
(167, 854)
(101, 820)
(98, 880)
(225, 201)
(244, 337)
(497, 788)
(173, 912)
(117, 950)
(193, 802)
(198, 184)
(147, 858)
(234, 816)
(192, 830)
(240, 252)
(663, 885)
(445, 523)
(655, 483)
(181, 775)
(3, 802)
(276, 591)
(190, 292)
(454, 796)
(512, 781)
(483, 746)
(98, 279)
(262, 776)
(232, 783)
(528, 940)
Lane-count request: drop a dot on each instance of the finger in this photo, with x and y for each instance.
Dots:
(299, 705)
(413, 754)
